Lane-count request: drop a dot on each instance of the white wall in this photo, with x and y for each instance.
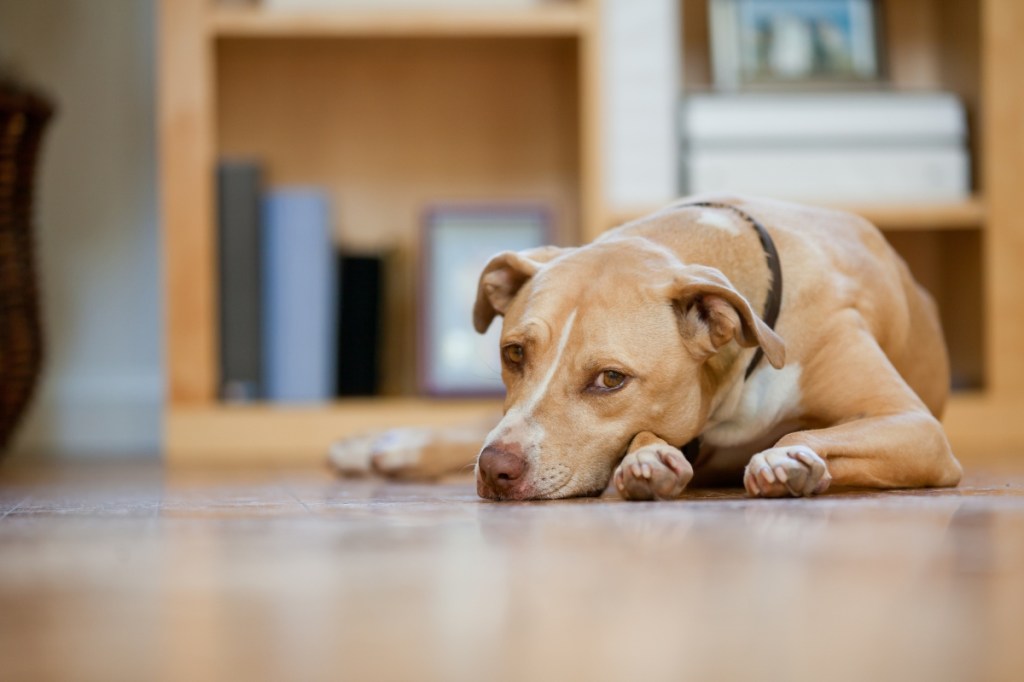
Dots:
(97, 223)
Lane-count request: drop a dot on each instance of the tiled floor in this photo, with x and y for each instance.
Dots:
(120, 572)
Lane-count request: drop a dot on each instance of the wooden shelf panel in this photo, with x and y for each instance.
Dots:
(982, 427)
(978, 427)
(278, 434)
(968, 214)
(559, 19)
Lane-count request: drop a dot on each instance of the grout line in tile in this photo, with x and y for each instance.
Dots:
(295, 497)
(20, 503)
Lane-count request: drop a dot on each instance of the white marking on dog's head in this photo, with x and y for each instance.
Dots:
(542, 388)
(719, 220)
(519, 420)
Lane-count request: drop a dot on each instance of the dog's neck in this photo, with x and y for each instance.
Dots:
(727, 374)
(773, 299)
(729, 369)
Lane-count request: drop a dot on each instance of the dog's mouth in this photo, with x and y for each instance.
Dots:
(552, 489)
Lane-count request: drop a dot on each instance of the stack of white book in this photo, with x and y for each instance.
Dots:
(873, 147)
(304, 5)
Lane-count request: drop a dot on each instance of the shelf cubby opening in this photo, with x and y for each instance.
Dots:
(389, 127)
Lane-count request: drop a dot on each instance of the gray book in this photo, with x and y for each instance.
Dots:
(239, 190)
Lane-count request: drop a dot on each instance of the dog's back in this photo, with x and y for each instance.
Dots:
(834, 263)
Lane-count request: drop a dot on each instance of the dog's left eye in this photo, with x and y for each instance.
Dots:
(609, 380)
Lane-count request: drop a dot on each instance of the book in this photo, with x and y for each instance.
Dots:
(299, 291)
(833, 174)
(239, 187)
(328, 5)
(360, 299)
(878, 147)
(640, 84)
(819, 117)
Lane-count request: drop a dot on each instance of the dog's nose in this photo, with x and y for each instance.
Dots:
(500, 468)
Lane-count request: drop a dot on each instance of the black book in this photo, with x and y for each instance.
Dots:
(359, 319)
(239, 189)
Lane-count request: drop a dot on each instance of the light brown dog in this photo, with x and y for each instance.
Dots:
(617, 354)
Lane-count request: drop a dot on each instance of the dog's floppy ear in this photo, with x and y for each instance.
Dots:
(502, 279)
(712, 313)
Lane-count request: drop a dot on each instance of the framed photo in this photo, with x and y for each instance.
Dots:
(793, 43)
(458, 241)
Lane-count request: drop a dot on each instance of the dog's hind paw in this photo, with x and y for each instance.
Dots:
(394, 453)
(352, 456)
(786, 471)
(399, 453)
(656, 471)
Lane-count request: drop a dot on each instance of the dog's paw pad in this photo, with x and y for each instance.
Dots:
(653, 472)
(793, 471)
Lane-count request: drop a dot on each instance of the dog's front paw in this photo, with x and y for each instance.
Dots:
(786, 471)
(656, 471)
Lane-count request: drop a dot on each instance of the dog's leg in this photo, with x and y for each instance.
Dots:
(881, 434)
(652, 469)
(411, 453)
(902, 450)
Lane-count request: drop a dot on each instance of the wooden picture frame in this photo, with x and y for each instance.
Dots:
(794, 43)
(457, 242)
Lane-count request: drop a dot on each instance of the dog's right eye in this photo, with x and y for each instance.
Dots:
(611, 379)
(513, 354)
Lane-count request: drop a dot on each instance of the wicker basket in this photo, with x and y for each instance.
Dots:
(23, 118)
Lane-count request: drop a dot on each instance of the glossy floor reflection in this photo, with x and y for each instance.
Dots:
(122, 572)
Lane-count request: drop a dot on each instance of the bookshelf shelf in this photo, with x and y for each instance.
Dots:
(268, 434)
(274, 435)
(965, 215)
(968, 214)
(558, 19)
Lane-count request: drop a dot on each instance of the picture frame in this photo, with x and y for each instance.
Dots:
(794, 43)
(457, 242)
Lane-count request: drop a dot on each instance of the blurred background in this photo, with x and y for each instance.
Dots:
(96, 223)
(258, 224)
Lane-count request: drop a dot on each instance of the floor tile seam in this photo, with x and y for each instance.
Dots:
(287, 489)
(19, 505)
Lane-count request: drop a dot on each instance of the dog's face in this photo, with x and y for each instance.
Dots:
(599, 344)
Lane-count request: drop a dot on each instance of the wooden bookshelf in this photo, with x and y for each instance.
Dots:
(557, 19)
(965, 215)
(390, 111)
(272, 434)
